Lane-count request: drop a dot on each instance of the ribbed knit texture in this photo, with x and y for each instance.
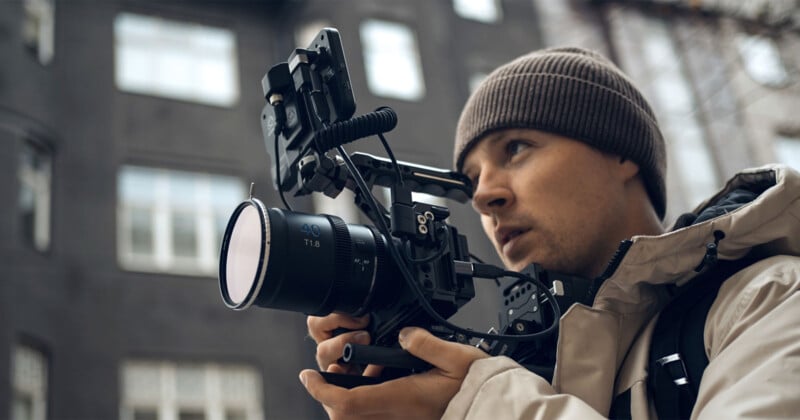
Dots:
(574, 93)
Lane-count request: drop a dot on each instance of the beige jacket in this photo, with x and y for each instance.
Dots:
(752, 334)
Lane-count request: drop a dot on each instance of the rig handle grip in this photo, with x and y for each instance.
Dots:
(351, 381)
(385, 356)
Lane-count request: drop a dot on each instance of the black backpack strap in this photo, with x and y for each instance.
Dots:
(677, 351)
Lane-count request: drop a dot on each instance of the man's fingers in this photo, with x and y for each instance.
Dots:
(336, 368)
(373, 370)
(452, 358)
(321, 328)
(330, 350)
(362, 400)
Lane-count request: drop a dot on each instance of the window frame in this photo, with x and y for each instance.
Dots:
(462, 10)
(39, 394)
(201, 206)
(165, 42)
(167, 400)
(376, 65)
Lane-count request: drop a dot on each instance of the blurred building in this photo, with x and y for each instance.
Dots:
(721, 75)
(129, 130)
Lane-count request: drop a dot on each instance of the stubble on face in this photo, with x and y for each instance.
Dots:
(565, 198)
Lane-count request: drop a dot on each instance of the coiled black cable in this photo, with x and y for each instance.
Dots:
(379, 121)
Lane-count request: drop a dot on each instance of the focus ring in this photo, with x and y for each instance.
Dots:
(342, 258)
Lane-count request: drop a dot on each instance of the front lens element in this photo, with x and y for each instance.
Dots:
(245, 248)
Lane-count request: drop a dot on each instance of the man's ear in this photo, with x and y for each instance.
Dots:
(628, 169)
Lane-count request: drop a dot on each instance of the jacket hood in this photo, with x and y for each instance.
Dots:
(758, 210)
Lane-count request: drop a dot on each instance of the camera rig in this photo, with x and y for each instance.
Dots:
(410, 269)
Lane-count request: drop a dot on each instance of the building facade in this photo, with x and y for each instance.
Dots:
(129, 130)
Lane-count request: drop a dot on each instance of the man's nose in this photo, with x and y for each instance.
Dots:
(492, 194)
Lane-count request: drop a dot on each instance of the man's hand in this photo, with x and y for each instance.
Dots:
(423, 395)
(329, 347)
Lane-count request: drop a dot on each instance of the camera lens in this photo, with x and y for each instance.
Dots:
(315, 264)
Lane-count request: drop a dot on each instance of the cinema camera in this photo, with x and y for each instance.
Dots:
(410, 269)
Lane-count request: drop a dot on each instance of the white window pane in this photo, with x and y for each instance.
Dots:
(475, 81)
(234, 414)
(184, 231)
(136, 185)
(239, 384)
(142, 238)
(34, 176)
(22, 407)
(190, 382)
(38, 28)
(762, 60)
(175, 60)
(135, 68)
(305, 33)
(481, 10)
(182, 187)
(191, 415)
(226, 192)
(29, 383)
(145, 414)
(141, 382)
(392, 60)
(787, 150)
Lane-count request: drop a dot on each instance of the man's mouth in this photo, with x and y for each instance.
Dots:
(505, 236)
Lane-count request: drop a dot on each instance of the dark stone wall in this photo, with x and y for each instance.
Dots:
(74, 301)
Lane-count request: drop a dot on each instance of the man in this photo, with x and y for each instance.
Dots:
(568, 166)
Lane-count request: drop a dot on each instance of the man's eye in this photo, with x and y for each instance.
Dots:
(515, 146)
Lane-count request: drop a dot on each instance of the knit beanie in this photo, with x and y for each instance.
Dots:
(574, 93)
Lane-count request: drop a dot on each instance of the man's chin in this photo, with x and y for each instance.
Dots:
(518, 267)
(523, 263)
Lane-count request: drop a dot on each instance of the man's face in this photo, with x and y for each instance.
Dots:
(548, 199)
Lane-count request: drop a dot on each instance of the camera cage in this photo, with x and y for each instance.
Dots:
(309, 112)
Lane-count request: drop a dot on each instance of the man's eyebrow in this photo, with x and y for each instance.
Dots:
(496, 136)
(491, 138)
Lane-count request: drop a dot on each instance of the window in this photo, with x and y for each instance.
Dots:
(38, 28)
(392, 60)
(173, 221)
(159, 390)
(475, 80)
(34, 174)
(487, 11)
(306, 33)
(175, 60)
(29, 384)
(787, 150)
(762, 60)
(342, 206)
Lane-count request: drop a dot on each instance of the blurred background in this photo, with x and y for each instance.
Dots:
(129, 130)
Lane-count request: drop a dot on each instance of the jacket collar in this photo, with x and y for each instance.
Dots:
(757, 210)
